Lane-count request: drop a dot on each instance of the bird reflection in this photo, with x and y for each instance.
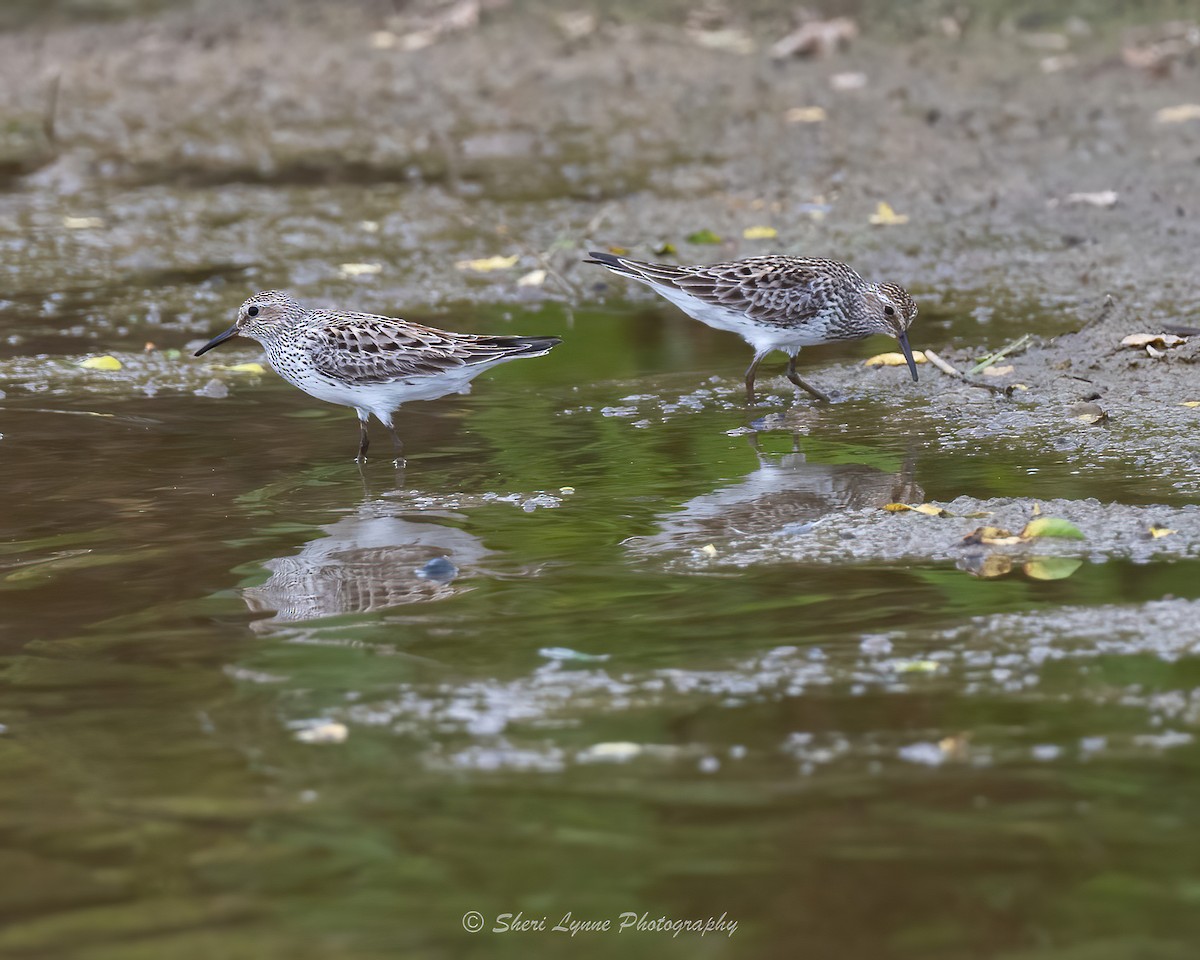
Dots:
(376, 559)
(785, 489)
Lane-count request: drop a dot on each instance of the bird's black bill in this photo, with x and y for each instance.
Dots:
(220, 338)
(903, 338)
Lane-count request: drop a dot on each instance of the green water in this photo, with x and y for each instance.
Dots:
(193, 589)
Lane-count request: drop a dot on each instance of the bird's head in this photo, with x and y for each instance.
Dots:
(891, 310)
(258, 318)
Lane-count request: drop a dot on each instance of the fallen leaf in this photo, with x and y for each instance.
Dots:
(885, 216)
(330, 732)
(1179, 114)
(105, 362)
(729, 39)
(488, 264)
(992, 536)
(760, 233)
(848, 81)
(665, 250)
(82, 223)
(1051, 568)
(703, 237)
(1152, 339)
(805, 115)
(1036, 510)
(617, 751)
(534, 278)
(250, 367)
(1190, 403)
(708, 550)
(955, 747)
(816, 37)
(1088, 412)
(1157, 532)
(926, 508)
(566, 653)
(998, 371)
(894, 359)
(1099, 198)
(916, 666)
(1057, 64)
(359, 269)
(575, 24)
(1051, 527)
(618, 251)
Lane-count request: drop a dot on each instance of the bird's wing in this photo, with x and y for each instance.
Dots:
(363, 349)
(767, 289)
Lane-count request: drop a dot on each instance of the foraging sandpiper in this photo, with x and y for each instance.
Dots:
(371, 363)
(779, 303)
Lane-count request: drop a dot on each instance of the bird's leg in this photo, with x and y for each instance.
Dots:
(397, 445)
(795, 378)
(363, 443)
(753, 369)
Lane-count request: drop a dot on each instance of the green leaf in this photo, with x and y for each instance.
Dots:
(1051, 527)
(703, 236)
(1051, 568)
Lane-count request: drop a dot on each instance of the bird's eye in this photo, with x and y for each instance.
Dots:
(889, 311)
(253, 311)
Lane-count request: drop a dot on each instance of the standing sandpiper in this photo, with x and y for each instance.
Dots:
(779, 303)
(371, 363)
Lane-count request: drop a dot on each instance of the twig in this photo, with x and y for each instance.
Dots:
(51, 109)
(1000, 354)
(952, 371)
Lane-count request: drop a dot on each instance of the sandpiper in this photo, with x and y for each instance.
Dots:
(779, 303)
(371, 363)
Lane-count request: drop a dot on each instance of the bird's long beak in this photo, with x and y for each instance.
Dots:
(903, 338)
(232, 332)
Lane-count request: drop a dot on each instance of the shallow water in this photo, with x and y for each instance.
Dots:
(244, 716)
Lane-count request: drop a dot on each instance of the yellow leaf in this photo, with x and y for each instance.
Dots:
(708, 550)
(1156, 531)
(488, 264)
(992, 536)
(359, 269)
(928, 509)
(916, 666)
(621, 251)
(101, 363)
(805, 115)
(246, 368)
(534, 278)
(760, 233)
(1179, 114)
(885, 216)
(1190, 403)
(893, 359)
(82, 223)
